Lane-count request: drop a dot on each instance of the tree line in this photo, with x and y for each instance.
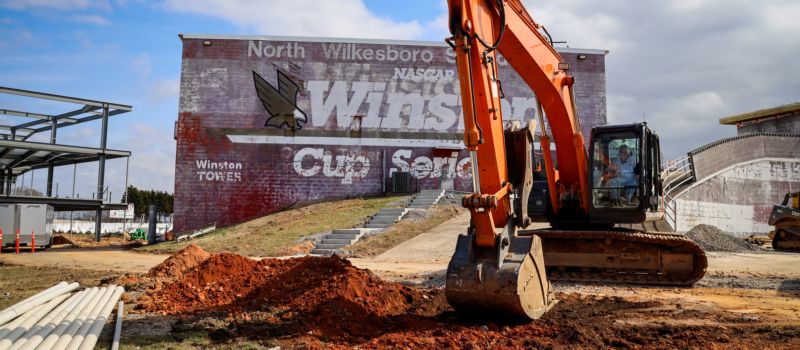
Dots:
(142, 199)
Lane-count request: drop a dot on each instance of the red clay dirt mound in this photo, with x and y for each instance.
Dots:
(326, 295)
(326, 303)
(179, 263)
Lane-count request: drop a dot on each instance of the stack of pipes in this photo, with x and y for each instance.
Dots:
(58, 318)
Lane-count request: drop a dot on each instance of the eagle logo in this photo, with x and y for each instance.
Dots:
(280, 102)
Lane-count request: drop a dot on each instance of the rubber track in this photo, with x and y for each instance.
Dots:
(785, 249)
(663, 239)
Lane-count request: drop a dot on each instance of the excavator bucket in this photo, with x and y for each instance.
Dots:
(509, 281)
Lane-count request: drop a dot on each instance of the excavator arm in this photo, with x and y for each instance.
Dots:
(493, 268)
(480, 29)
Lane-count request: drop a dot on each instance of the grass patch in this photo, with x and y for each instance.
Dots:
(276, 233)
(402, 231)
(18, 282)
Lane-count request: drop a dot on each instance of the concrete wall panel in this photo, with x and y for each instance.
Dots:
(739, 199)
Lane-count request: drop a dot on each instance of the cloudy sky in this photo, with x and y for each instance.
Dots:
(681, 65)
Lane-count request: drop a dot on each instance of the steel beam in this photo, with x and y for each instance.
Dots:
(80, 120)
(61, 98)
(101, 173)
(49, 188)
(61, 148)
(9, 177)
(25, 114)
(65, 204)
(64, 117)
(15, 128)
(21, 159)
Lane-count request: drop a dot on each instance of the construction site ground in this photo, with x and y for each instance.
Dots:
(746, 301)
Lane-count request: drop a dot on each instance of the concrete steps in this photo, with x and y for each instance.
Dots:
(380, 221)
(344, 237)
(336, 239)
(425, 199)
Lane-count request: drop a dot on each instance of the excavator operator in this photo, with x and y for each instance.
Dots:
(624, 175)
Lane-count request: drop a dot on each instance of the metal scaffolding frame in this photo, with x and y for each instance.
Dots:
(18, 155)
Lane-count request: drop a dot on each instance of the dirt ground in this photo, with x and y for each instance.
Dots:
(745, 301)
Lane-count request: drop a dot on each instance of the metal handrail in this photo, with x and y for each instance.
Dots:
(675, 174)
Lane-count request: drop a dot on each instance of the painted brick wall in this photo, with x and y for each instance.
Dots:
(357, 120)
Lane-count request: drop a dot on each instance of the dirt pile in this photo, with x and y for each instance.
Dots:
(59, 239)
(326, 303)
(179, 263)
(327, 295)
(713, 239)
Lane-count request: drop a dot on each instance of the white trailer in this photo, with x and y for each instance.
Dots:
(9, 223)
(35, 218)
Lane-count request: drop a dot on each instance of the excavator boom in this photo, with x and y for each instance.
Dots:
(497, 268)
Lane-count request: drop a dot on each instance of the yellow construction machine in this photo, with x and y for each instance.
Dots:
(786, 219)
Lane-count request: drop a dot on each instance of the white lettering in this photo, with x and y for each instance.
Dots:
(349, 168)
(227, 176)
(425, 167)
(417, 110)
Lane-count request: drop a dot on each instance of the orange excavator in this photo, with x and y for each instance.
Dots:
(499, 268)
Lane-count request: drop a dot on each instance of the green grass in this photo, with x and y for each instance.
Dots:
(403, 231)
(273, 234)
(18, 282)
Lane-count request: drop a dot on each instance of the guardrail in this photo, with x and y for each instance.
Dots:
(674, 176)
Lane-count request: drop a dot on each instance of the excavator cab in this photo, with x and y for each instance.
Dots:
(624, 174)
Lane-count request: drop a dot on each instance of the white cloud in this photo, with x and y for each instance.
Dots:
(162, 90)
(341, 18)
(685, 64)
(53, 4)
(91, 19)
(141, 64)
(15, 37)
(152, 163)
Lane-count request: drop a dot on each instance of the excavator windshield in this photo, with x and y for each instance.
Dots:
(616, 170)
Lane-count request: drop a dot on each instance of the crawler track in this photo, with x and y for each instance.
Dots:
(626, 256)
(782, 244)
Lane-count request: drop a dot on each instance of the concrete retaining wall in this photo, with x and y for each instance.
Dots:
(716, 156)
(739, 179)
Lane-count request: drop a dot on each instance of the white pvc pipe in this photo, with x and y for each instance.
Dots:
(76, 329)
(31, 320)
(57, 285)
(38, 299)
(118, 326)
(96, 328)
(79, 336)
(8, 327)
(46, 324)
(91, 297)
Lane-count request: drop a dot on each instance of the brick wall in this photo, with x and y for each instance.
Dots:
(364, 118)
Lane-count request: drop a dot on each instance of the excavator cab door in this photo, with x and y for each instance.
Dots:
(624, 174)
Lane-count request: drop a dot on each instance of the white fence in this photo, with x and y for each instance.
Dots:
(83, 226)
